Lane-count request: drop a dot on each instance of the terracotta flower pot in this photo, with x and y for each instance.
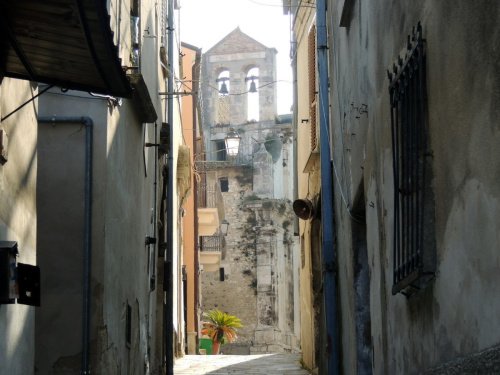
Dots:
(215, 347)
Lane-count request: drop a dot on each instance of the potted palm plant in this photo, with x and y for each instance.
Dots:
(220, 327)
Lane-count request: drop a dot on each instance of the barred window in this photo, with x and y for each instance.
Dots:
(414, 247)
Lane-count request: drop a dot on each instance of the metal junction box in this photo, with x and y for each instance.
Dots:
(18, 281)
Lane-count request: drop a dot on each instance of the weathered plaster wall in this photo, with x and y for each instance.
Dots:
(456, 315)
(308, 181)
(123, 267)
(18, 218)
(128, 215)
(122, 201)
(60, 206)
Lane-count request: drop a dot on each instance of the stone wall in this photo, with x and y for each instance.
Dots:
(237, 294)
(260, 282)
(257, 261)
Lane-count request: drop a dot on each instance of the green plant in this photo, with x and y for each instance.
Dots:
(220, 327)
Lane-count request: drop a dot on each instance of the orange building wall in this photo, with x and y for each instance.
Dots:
(189, 223)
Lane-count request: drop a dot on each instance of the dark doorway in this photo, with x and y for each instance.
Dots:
(361, 285)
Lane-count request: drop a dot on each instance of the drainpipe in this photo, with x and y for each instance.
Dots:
(87, 250)
(329, 251)
(295, 122)
(152, 280)
(196, 77)
(168, 277)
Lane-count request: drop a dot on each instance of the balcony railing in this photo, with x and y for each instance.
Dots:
(210, 196)
(210, 248)
(210, 207)
(211, 243)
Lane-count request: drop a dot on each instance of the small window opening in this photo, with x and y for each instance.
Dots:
(224, 184)
(220, 150)
(221, 274)
(135, 28)
(223, 82)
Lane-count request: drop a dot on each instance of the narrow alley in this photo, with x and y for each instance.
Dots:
(275, 187)
(270, 364)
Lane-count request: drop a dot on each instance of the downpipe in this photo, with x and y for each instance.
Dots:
(168, 259)
(329, 251)
(87, 250)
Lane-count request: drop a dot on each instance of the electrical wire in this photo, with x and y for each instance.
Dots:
(180, 111)
(346, 201)
(236, 93)
(281, 5)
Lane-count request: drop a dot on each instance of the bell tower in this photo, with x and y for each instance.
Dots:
(257, 280)
(238, 85)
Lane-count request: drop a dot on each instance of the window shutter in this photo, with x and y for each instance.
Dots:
(312, 88)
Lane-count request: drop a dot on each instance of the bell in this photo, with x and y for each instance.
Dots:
(253, 87)
(223, 89)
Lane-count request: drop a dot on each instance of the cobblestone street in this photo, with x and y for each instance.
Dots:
(270, 364)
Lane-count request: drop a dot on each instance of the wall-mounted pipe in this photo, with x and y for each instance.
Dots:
(87, 229)
(196, 77)
(327, 219)
(168, 277)
(152, 281)
(296, 229)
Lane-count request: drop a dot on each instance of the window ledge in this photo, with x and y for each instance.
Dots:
(141, 99)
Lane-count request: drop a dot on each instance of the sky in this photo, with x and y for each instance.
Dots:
(203, 23)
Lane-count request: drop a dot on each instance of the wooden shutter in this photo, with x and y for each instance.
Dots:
(312, 88)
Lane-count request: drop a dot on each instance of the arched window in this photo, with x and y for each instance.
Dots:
(223, 82)
(223, 86)
(252, 84)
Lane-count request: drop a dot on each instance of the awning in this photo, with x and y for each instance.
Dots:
(67, 43)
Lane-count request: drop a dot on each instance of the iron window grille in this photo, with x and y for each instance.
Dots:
(213, 243)
(413, 253)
